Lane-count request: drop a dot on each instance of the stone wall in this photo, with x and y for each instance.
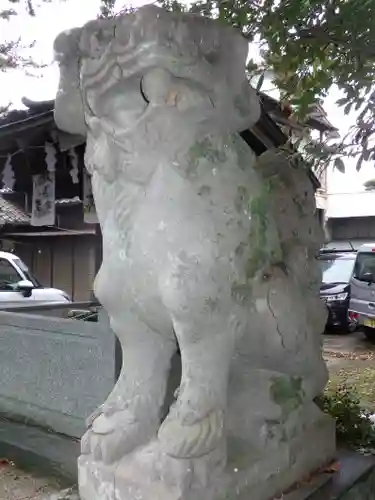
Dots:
(54, 372)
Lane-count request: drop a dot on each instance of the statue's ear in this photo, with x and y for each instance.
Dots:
(156, 84)
(69, 111)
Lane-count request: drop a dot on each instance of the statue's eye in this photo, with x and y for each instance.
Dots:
(143, 94)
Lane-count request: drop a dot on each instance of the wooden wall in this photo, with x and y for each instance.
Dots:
(64, 262)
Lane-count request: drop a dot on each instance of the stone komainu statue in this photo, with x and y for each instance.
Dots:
(204, 247)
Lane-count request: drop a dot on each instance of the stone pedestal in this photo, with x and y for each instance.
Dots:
(205, 247)
(353, 479)
(150, 474)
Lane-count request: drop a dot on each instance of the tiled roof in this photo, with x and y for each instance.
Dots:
(60, 201)
(33, 110)
(11, 214)
(68, 201)
(43, 112)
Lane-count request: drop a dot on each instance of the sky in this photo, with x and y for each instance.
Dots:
(54, 17)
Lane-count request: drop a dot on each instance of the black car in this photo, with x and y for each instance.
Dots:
(337, 267)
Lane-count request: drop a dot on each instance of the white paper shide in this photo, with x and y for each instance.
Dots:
(89, 210)
(43, 205)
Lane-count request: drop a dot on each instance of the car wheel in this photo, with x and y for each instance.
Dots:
(370, 333)
(352, 327)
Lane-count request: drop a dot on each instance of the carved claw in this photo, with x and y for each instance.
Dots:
(105, 409)
(85, 442)
(95, 414)
(111, 437)
(191, 441)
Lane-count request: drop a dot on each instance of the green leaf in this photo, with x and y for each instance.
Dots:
(370, 185)
(340, 165)
(342, 101)
(251, 66)
(358, 104)
(359, 163)
(348, 108)
(260, 82)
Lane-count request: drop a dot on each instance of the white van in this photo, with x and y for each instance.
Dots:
(362, 290)
(18, 285)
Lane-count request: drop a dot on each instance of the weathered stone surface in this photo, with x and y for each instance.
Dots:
(69, 494)
(202, 244)
(54, 371)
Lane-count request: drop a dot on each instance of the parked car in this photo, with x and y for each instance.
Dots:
(362, 283)
(17, 284)
(337, 268)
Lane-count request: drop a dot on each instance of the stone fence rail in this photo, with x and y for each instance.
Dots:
(54, 371)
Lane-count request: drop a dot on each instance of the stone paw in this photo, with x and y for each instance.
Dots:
(111, 437)
(95, 414)
(105, 409)
(181, 440)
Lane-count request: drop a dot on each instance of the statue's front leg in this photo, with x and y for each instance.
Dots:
(205, 327)
(131, 414)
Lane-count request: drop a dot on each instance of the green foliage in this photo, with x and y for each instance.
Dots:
(107, 8)
(339, 165)
(369, 185)
(353, 425)
(9, 57)
(310, 45)
(287, 392)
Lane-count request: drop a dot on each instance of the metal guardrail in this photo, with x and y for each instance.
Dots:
(46, 306)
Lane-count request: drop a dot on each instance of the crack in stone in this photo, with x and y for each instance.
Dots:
(275, 318)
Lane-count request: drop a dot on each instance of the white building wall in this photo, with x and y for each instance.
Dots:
(360, 204)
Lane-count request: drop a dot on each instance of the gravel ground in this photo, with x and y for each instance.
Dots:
(17, 485)
(351, 362)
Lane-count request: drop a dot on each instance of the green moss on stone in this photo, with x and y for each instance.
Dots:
(204, 190)
(259, 208)
(287, 392)
(238, 453)
(242, 293)
(204, 149)
(264, 239)
(241, 198)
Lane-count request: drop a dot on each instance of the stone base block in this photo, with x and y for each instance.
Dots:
(354, 480)
(149, 474)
